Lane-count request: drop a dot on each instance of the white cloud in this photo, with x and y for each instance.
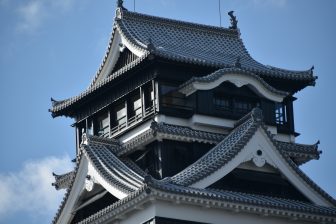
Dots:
(29, 190)
(33, 13)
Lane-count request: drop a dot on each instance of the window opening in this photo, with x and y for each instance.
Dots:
(280, 113)
(135, 109)
(120, 118)
(170, 97)
(103, 125)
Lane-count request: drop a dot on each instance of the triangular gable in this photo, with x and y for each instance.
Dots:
(250, 141)
(117, 46)
(98, 166)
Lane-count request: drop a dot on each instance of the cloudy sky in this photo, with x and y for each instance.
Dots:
(53, 49)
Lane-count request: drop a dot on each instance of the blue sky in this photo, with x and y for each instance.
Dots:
(54, 48)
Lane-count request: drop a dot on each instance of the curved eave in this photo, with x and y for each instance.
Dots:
(139, 51)
(219, 155)
(60, 209)
(300, 153)
(131, 180)
(238, 77)
(143, 47)
(169, 52)
(103, 63)
(107, 169)
(155, 191)
(59, 108)
(171, 132)
(305, 77)
(63, 181)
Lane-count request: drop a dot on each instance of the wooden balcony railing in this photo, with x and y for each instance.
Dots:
(132, 121)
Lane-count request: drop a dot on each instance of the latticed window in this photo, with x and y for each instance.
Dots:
(280, 113)
(221, 103)
(242, 106)
(233, 105)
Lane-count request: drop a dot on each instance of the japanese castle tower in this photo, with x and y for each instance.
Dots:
(182, 125)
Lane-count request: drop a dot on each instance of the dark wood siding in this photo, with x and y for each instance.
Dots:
(125, 58)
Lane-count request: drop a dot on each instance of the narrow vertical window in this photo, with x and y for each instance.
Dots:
(134, 108)
(149, 98)
(280, 113)
(89, 125)
(119, 118)
(221, 103)
(103, 125)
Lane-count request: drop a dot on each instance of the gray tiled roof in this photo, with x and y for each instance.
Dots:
(99, 151)
(196, 44)
(232, 144)
(222, 153)
(68, 190)
(128, 177)
(248, 198)
(228, 200)
(62, 104)
(183, 42)
(63, 181)
(110, 167)
(299, 152)
(168, 131)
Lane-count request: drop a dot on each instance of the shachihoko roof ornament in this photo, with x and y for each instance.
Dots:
(233, 20)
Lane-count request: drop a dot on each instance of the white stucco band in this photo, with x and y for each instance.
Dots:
(238, 80)
(194, 213)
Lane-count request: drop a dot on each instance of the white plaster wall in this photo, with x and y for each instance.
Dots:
(135, 131)
(285, 138)
(139, 215)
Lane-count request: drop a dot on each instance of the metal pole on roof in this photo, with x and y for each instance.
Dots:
(134, 5)
(220, 14)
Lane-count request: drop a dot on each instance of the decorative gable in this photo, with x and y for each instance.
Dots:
(249, 141)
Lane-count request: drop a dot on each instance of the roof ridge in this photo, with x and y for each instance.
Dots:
(255, 113)
(62, 104)
(87, 139)
(230, 146)
(185, 24)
